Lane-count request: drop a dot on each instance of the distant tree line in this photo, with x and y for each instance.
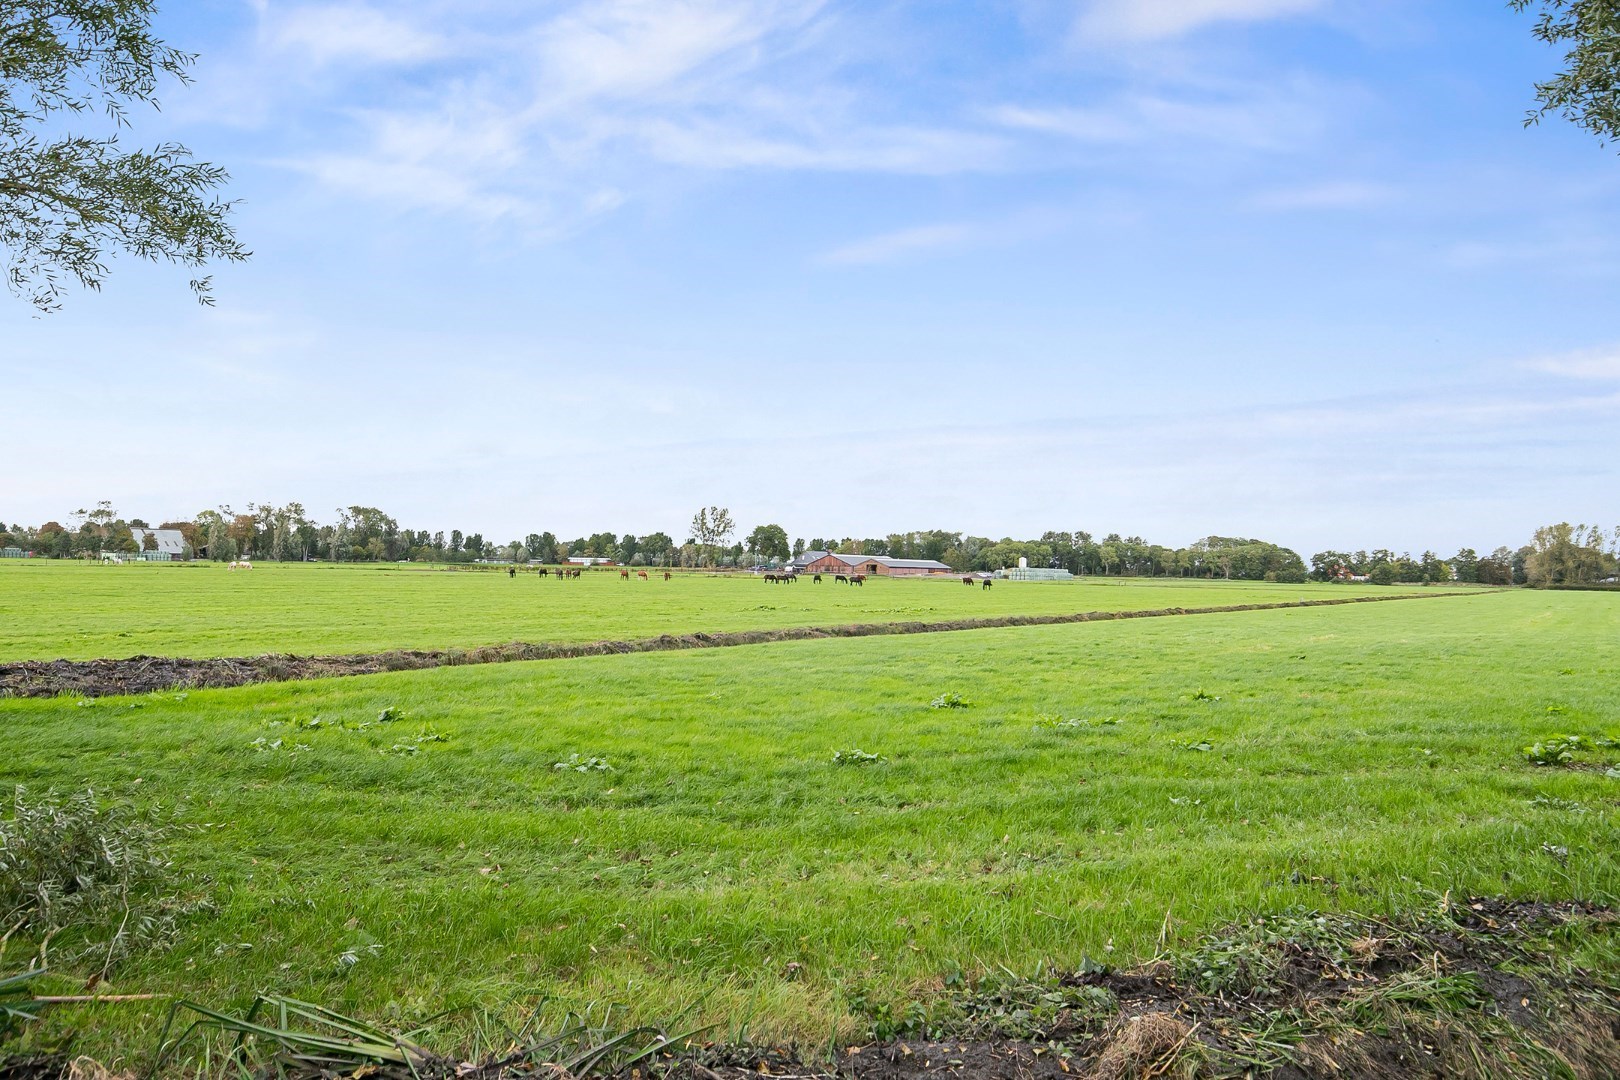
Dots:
(1081, 553)
(1561, 554)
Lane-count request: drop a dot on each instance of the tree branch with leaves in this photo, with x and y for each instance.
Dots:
(69, 202)
(1587, 91)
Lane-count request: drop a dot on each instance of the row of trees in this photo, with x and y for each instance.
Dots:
(1081, 553)
(1561, 554)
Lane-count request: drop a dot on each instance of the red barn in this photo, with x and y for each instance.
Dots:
(875, 566)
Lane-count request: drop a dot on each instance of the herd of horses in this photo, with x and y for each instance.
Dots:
(792, 577)
(770, 579)
(574, 572)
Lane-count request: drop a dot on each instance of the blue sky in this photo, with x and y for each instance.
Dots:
(1282, 268)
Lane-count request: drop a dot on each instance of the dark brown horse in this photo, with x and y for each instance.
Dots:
(968, 581)
(543, 571)
(817, 579)
(987, 583)
(666, 575)
(840, 577)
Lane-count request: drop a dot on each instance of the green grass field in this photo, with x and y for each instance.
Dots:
(1104, 780)
(51, 610)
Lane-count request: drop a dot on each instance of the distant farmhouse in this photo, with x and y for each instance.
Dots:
(827, 562)
(171, 545)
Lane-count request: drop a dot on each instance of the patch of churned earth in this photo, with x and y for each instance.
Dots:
(1481, 990)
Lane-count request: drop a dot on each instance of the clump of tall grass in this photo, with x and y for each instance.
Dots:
(86, 876)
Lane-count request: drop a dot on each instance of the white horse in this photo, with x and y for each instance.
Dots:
(241, 564)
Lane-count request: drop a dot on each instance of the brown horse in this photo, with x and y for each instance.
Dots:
(987, 583)
(858, 579)
(770, 579)
(666, 575)
(543, 571)
(624, 575)
(840, 577)
(968, 581)
(642, 574)
(816, 580)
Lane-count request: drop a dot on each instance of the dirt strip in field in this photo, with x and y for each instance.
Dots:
(145, 674)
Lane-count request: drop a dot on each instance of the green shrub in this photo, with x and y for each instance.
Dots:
(1556, 749)
(88, 877)
(576, 763)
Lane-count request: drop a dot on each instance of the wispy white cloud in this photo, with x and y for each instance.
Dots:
(1256, 118)
(1571, 252)
(560, 119)
(707, 144)
(1153, 20)
(636, 49)
(890, 246)
(348, 33)
(1329, 195)
(1600, 363)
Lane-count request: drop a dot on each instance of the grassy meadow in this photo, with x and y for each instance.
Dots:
(1101, 785)
(73, 610)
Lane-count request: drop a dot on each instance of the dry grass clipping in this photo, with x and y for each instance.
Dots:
(1143, 1046)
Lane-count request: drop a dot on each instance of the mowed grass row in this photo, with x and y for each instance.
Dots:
(72, 610)
(1363, 757)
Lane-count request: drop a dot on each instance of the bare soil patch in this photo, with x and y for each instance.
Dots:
(146, 674)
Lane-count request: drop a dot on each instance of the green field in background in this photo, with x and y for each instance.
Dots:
(80, 611)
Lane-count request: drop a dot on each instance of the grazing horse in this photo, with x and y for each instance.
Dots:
(543, 571)
(858, 579)
(790, 579)
(511, 571)
(987, 583)
(816, 580)
(840, 577)
(968, 581)
(624, 575)
(666, 575)
(575, 573)
(770, 579)
(642, 574)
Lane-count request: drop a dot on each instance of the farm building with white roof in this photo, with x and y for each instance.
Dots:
(171, 544)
